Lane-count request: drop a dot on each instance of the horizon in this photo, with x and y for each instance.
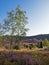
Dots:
(36, 11)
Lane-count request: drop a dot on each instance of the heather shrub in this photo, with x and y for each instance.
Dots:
(16, 59)
(7, 63)
(26, 59)
(31, 58)
(45, 61)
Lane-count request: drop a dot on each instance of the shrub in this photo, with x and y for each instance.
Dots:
(30, 46)
(26, 46)
(40, 45)
(46, 43)
(16, 47)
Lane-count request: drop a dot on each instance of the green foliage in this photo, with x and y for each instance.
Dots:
(45, 42)
(30, 46)
(1, 30)
(40, 45)
(21, 21)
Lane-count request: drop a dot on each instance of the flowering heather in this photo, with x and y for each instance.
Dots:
(12, 58)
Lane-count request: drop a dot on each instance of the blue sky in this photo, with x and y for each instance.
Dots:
(37, 13)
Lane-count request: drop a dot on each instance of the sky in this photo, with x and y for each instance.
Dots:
(37, 12)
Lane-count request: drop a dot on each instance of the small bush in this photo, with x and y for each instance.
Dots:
(26, 46)
(16, 47)
(40, 45)
(30, 46)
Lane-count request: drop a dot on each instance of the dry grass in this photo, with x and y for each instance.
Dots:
(24, 50)
(36, 51)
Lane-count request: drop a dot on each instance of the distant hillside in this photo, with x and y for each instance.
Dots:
(29, 39)
(42, 37)
(36, 38)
